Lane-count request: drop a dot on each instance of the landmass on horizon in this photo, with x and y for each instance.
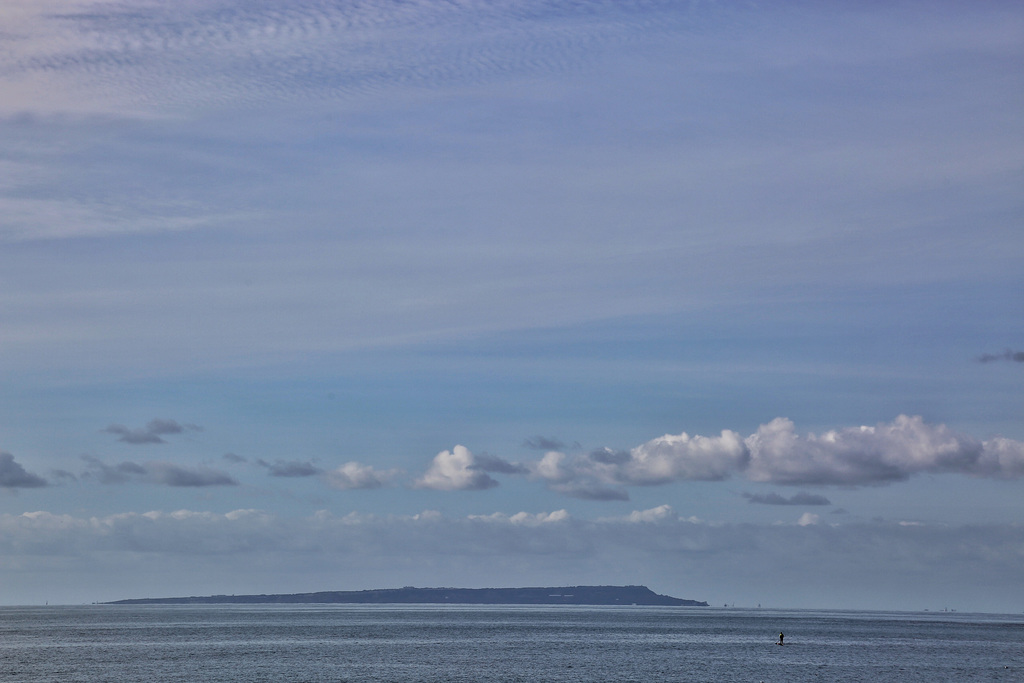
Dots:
(565, 595)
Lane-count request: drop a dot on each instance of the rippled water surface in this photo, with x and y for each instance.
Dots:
(484, 643)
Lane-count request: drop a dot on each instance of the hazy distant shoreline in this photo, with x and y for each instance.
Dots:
(564, 595)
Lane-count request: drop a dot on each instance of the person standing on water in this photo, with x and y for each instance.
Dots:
(781, 637)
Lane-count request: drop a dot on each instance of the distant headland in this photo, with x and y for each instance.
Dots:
(565, 595)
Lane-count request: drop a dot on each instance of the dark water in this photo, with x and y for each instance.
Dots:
(475, 643)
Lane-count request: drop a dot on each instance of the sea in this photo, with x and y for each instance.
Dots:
(562, 644)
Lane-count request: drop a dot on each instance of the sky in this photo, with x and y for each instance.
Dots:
(721, 298)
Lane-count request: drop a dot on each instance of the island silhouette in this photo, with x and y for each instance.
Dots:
(564, 595)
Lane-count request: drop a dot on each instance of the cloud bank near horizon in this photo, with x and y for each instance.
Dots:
(657, 546)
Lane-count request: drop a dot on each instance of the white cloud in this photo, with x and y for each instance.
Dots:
(354, 475)
(775, 453)
(539, 518)
(551, 467)
(247, 514)
(880, 454)
(808, 519)
(658, 514)
(681, 457)
(428, 516)
(1001, 458)
(584, 478)
(524, 518)
(455, 470)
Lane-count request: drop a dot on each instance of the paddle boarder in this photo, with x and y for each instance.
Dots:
(781, 638)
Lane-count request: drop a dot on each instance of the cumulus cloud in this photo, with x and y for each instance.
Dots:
(354, 475)
(674, 457)
(155, 472)
(797, 499)
(604, 474)
(776, 453)
(151, 433)
(14, 476)
(808, 519)
(1013, 356)
(884, 453)
(455, 470)
(574, 478)
(1001, 458)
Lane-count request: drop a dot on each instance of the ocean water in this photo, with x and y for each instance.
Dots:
(118, 644)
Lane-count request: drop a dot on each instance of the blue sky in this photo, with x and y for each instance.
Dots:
(723, 298)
